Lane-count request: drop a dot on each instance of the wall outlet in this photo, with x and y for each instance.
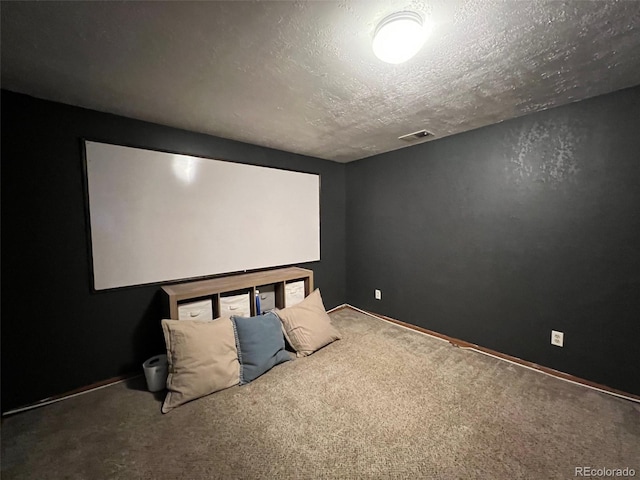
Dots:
(378, 294)
(557, 338)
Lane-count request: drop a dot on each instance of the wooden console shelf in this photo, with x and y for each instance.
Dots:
(247, 282)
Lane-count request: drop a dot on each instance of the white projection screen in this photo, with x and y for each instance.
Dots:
(157, 217)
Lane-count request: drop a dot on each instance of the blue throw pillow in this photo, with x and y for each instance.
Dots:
(260, 343)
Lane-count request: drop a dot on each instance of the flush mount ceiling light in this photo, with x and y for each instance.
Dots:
(399, 37)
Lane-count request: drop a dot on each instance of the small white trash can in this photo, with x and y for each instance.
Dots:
(155, 371)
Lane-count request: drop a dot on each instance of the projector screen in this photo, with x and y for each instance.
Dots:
(157, 217)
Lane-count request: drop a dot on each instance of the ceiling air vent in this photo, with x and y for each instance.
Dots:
(415, 136)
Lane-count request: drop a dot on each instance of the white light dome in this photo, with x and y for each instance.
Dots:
(399, 37)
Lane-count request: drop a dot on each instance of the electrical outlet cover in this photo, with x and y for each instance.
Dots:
(557, 338)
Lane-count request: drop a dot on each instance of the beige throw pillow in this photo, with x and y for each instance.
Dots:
(307, 326)
(202, 358)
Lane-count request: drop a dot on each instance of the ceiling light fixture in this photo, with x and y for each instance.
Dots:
(399, 37)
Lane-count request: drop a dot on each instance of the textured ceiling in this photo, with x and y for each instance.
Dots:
(301, 76)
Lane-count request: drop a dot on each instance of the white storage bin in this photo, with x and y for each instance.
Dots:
(267, 297)
(293, 293)
(235, 305)
(201, 310)
(155, 371)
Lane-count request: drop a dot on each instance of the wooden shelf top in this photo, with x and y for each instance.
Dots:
(234, 282)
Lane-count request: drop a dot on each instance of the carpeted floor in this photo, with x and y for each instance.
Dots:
(385, 402)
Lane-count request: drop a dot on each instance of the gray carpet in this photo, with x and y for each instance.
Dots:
(384, 402)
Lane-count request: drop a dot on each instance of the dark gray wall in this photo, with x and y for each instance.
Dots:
(499, 235)
(56, 334)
